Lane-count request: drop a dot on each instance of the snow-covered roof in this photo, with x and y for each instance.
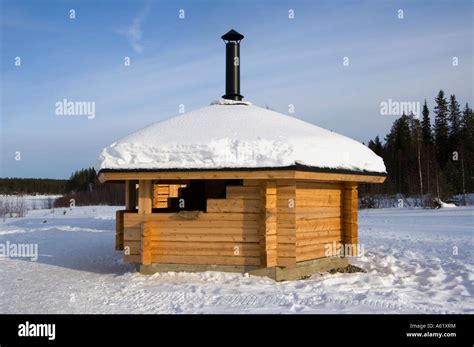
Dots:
(230, 134)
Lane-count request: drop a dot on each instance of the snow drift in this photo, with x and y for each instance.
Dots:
(237, 135)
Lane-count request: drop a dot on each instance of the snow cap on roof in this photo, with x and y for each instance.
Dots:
(236, 134)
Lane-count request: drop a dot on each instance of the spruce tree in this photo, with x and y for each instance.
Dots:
(441, 129)
(426, 126)
(455, 121)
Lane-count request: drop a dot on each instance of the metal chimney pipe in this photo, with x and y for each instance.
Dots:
(232, 65)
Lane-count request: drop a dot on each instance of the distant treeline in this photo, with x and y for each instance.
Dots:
(426, 158)
(82, 187)
(30, 186)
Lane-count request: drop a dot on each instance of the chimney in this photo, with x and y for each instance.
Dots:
(232, 65)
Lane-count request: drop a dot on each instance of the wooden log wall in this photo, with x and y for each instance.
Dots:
(350, 216)
(268, 224)
(227, 234)
(162, 192)
(286, 223)
(318, 218)
(262, 223)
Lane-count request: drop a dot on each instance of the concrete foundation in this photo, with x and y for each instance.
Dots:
(301, 270)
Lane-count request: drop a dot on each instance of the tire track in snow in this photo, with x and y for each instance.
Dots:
(177, 302)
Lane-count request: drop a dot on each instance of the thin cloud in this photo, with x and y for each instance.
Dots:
(134, 32)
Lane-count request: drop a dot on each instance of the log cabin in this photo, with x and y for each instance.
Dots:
(235, 187)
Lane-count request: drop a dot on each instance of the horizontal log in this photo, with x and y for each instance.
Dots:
(134, 233)
(204, 253)
(291, 239)
(204, 238)
(240, 174)
(205, 260)
(317, 185)
(243, 192)
(286, 232)
(323, 213)
(302, 234)
(317, 240)
(233, 205)
(318, 249)
(286, 261)
(250, 183)
(319, 224)
(310, 255)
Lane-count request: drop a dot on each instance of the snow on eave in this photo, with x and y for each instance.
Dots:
(235, 135)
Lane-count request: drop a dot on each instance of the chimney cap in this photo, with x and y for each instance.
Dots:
(232, 35)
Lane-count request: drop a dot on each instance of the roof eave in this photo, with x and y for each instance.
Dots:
(287, 172)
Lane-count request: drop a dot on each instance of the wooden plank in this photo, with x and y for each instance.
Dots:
(319, 224)
(322, 213)
(223, 252)
(145, 196)
(303, 234)
(196, 224)
(287, 261)
(317, 240)
(204, 238)
(254, 246)
(350, 231)
(145, 243)
(268, 226)
(316, 249)
(193, 216)
(233, 205)
(314, 254)
(243, 192)
(240, 174)
(209, 260)
(313, 212)
(339, 177)
(131, 195)
(286, 225)
(250, 183)
(119, 230)
(303, 185)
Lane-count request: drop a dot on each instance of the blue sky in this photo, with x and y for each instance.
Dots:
(181, 61)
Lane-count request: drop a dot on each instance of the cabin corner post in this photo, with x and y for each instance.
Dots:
(350, 204)
(268, 224)
(119, 230)
(130, 195)
(145, 196)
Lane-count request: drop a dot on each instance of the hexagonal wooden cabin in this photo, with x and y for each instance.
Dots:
(235, 187)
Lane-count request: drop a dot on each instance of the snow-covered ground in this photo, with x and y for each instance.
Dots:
(417, 261)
